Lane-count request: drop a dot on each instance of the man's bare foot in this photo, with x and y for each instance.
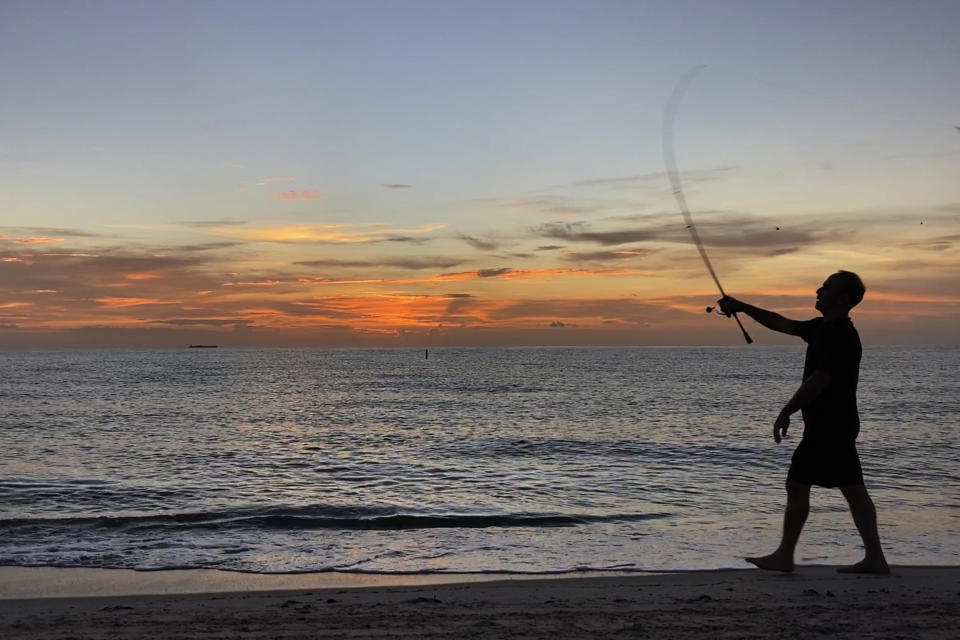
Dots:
(867, 566)
(773, 562)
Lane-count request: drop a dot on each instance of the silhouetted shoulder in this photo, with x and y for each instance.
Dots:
(807, 329)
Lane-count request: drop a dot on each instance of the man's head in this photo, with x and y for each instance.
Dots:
(839, 293)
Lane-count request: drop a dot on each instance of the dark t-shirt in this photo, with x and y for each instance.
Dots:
(833, 347)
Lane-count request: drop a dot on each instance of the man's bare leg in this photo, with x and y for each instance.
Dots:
(865, 517)
(794, 516)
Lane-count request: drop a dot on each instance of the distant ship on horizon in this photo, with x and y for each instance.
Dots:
(203, 346)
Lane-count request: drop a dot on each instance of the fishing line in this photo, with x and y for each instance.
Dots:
(670, 160)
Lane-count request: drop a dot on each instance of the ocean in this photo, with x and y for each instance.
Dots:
(524, 460)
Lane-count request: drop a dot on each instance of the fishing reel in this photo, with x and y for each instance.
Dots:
(712, 309)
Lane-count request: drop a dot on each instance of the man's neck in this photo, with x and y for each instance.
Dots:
(833, 316)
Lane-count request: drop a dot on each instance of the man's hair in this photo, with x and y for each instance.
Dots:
(852, 285)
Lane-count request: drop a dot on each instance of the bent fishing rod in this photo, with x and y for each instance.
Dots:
(670, 160)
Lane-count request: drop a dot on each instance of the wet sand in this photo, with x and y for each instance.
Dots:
(814, 601)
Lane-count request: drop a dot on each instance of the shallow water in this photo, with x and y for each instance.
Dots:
(474, 460)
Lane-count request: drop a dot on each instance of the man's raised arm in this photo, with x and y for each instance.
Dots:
(769, 319)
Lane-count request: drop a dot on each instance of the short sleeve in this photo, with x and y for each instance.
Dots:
(807, 329)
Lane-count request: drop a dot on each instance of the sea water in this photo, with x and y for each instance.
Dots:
(474, 460)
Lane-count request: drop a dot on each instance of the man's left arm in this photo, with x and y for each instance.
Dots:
(812, 387)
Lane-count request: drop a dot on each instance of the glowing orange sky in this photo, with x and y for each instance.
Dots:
(415, 182)
(351, 291)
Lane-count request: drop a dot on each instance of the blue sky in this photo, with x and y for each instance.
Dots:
(128, 128)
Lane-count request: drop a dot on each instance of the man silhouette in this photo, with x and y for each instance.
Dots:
(827, 453)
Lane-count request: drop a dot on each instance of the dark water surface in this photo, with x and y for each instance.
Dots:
(536, 460)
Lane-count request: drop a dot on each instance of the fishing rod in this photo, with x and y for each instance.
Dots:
(670, 159)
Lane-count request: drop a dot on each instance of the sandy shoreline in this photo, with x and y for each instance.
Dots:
(23, 583)
(913, 602)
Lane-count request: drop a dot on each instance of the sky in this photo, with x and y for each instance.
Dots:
(474, 173)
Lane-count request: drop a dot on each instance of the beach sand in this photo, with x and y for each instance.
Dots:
(813, 602)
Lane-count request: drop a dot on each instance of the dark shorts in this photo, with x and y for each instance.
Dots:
(826, 463)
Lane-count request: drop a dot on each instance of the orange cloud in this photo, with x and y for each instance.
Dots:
(116, 303)
(143, 275)
(37, 240)
(327, 233)
(306, 280)
(308, 194)
(257, 283)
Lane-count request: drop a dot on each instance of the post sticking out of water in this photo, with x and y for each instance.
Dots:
(426, 354)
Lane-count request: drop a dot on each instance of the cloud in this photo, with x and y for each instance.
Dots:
(336, 262)
(938, 243)
(605, 256)
(556, 205)
(493, 273)
(478, 243)
(590, 196)
(508, 273)
(253, 283)
(202, 224)
(723, 230)
(909, 269)
(344, 281)
(504, 273)
(81, 279)
(407, 239)
(395, 186)
(459, 304)
(62, 254)
(206, 246)
(213, 322)
(359, 233)
(116, 303)
(780, 251)
(307, 194)
(263, 181)
(415, 264)
(37, 240)
(143, 275)
(47, 232)
(580, 232)
(658, 178)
